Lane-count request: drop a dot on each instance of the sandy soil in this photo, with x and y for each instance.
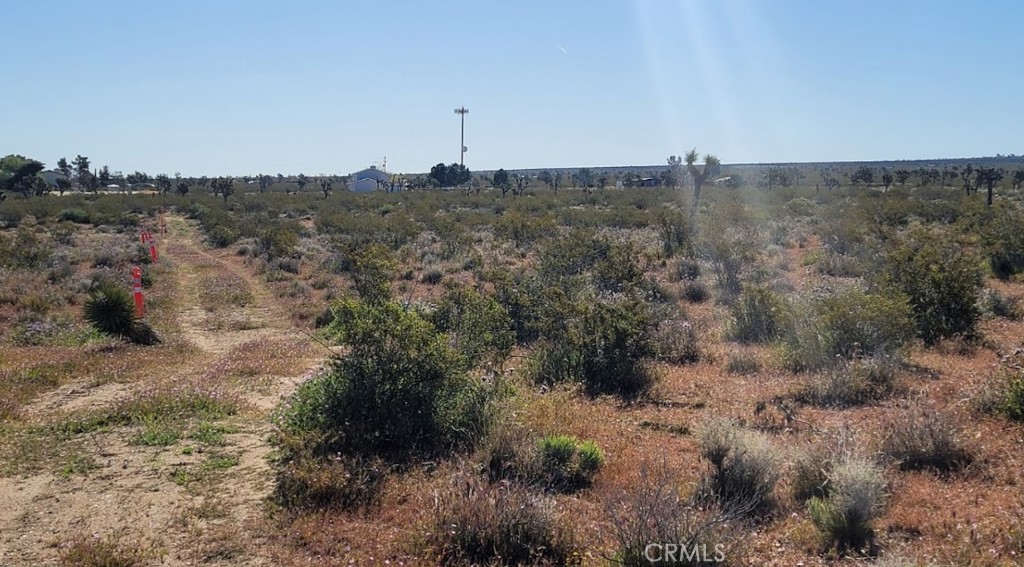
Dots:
(131, 490)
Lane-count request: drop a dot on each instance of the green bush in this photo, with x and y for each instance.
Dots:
(522, 297)
(372, 268)
(579, 256)
(399, 393)
(478, 327)
(278, 241)
(25, 251)
(76, 215)
(942, 282)
(1003, 241)
(1014, 405)
(1010, 392)
(856, 497)
(221, 236)
(675, 230)
(603, 344)
(759, 316)
(846, 324)
(565, 464)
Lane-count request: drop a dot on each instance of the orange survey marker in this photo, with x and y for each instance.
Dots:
(147, 238)
(140, 309)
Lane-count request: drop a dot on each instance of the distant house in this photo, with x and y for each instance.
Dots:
(648, 182)
(367, 180)
(51, 176)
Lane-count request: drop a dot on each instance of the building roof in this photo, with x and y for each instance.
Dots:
(371, 173)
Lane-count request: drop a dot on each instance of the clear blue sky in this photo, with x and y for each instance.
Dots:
(245, 87)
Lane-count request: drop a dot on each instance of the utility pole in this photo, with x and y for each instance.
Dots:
(463, 111)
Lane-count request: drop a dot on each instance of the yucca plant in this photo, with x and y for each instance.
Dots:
(110, 310)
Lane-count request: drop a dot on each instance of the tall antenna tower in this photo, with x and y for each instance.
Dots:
(463, 111)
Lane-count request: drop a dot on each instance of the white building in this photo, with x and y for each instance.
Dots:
(367, 180)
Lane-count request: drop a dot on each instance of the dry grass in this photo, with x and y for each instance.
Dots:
(962, 519)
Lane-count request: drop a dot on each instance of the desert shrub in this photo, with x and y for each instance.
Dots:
(845, 324)
(102, 551)
(742, 363)
(304, 481)
(853, 382)
(928, 440)
(221, 236)
(579, 256)
(994, 304)
(519, 295)
(695, 292)
(111, 311)
(840, 265)
(523, 229)
(676, 341)
(74, 215)
(1014, 406)
(432, 276)
(603, 344)
(289, 265)
(555, 463)
(941, 281)
(856, 497)
(399, 393)
(688, 269)
(25, 250)
(110, 257)
(654, 511)
(1003, 241)
(478, 327)
(566, 464)
(809, 475)
(509, 454)
(731, 252)
(758, 316)
(476, 523)
(1008, 392)
(277, 241)
(675, 231)
(371, 268)
(744, 466)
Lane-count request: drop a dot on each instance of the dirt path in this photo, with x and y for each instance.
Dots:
(183, 503)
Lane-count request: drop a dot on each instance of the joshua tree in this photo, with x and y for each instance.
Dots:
(887, 179)
(699, 177)
(966, 173)
(989, 177)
